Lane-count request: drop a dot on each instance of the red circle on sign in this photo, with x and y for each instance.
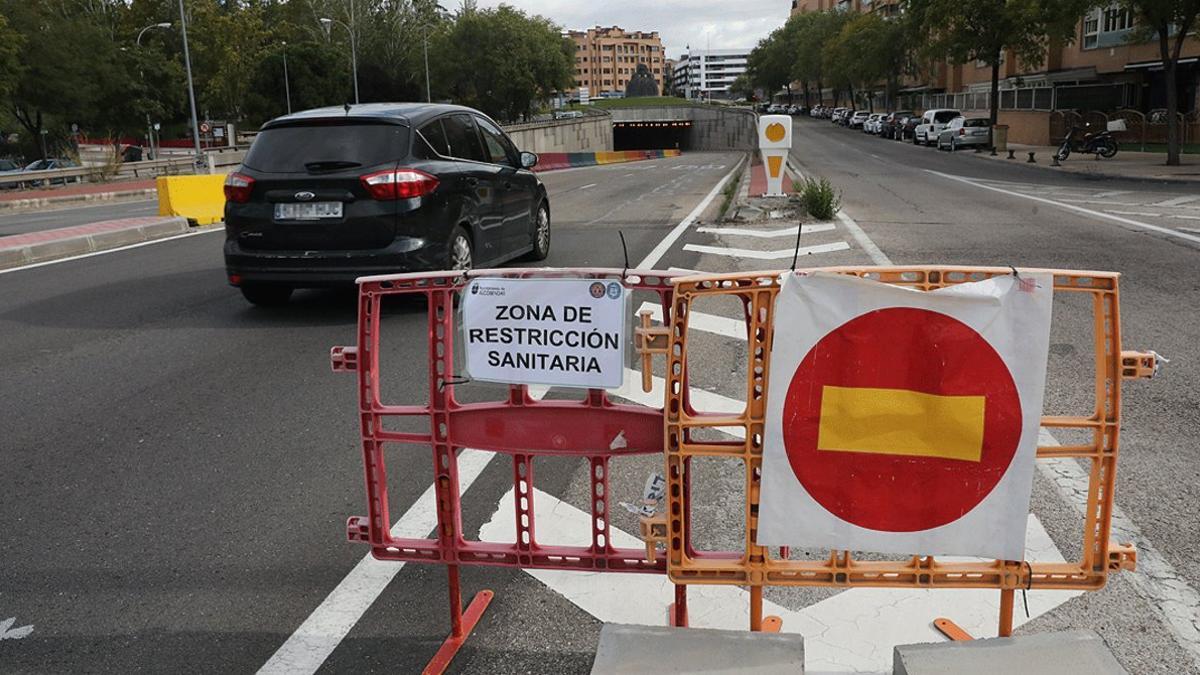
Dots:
(914, 350)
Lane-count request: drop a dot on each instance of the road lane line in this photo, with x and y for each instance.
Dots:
(1186, 217)
(768, 234)
(1155, 579)
(1072, 207)
(668, 241)
(112, 250)
(1110, 193)
(709, 323)
(589, 185)
(1148, 214)
(767, 255)
(863, 240)
(1178, 201)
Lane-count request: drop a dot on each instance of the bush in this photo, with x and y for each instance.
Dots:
(820, 200)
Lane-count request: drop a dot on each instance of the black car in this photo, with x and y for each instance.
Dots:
(907, 127)
(890, 126)
(328, 195)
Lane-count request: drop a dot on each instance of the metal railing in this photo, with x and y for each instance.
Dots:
(151, 168)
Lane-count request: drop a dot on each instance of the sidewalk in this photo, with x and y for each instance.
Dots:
(76, 192)
(23, 249)
(1129, 165)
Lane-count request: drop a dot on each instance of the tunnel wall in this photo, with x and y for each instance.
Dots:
(712, 127)
(591, 133)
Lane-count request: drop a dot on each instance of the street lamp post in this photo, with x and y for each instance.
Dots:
(187, 62)
(149, 125)
(428, 95)
(326, 22)
(287, 89)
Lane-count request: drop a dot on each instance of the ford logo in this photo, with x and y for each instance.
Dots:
(304, 196)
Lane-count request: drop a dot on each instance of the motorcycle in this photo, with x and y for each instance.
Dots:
(1101, 143)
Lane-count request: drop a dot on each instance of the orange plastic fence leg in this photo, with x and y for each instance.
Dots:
(1006, 612)
(758, 622)
(461, 623)
(951, 630)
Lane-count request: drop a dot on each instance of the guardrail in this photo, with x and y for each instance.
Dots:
(150, 168)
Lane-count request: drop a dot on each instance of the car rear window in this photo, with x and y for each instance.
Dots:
(976, 122)
(945, 116)
(289, 149)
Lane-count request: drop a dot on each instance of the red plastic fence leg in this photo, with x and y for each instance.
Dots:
(461, 623)
(677, 614)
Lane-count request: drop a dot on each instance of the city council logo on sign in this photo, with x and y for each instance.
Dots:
(901, 421)
(562, 332)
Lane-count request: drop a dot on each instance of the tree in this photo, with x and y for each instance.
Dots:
(813, 31)
(501, 61)
(985, 30)
(769, 64)
(1170, 21)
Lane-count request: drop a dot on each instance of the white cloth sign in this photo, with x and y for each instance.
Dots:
(904, 421)
(561, 332)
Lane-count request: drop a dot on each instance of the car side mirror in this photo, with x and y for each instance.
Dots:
(528, 160)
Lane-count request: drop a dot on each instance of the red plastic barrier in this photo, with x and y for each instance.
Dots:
(521, 427)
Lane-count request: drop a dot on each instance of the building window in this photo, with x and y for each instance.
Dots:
(1091, 30)
(1117, 18)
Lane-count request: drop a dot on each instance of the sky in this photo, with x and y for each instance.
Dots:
(723, 24)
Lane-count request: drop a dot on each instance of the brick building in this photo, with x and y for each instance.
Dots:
(606, 58)
(1100, 71)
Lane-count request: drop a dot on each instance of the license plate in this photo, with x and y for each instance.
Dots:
(307, 210)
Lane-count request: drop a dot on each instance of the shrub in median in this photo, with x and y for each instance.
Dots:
(820, 200)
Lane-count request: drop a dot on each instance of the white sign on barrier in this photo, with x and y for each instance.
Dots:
(560, 332)
(774, 142)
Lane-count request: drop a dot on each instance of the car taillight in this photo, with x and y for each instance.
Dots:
(238, 187)
(399, 184)
(962, 132)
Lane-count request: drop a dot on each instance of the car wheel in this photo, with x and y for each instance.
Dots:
(266, 295)
(460, 254)
(915, 141)
(953, 145)
(541, 233)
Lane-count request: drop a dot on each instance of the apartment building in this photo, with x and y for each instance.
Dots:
(709, 73)
(1102, 70)
(607, 58)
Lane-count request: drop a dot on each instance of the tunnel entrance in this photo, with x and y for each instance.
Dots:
(652, 135)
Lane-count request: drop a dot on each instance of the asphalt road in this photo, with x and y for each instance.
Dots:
(181, 464)
(22, 222)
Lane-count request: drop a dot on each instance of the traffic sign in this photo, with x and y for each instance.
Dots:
(205, 127)
(904, 421)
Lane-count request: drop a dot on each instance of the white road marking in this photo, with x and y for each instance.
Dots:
(768, 234)
(307, 648)
(589, 185)
(1190, 229)
(1178, 201)
(706, 401)
(1099, 202)
(7, 632)
(1148, 214)
(663, 246)
(863, 240)
(1156, 580)
(1185, 217)
(853, 631)
(767, 255)
(113, 250)
(1072, 207)
(1110, 193)
(709, 323)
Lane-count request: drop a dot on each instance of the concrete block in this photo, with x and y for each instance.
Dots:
(62, 248)
(1080, 651)
(661, 650)
(12, 257)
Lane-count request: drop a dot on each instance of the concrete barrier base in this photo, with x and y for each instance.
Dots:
(1081, 651)
(35, 247)
(651, 649)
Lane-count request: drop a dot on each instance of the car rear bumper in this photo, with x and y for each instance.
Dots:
(311, 269)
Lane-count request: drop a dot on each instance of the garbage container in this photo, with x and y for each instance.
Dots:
(1000, 138)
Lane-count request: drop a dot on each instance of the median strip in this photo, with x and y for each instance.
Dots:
(65, 242)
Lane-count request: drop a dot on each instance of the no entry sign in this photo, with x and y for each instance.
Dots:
(901, 421)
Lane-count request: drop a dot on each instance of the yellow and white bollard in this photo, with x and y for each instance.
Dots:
(774, 141)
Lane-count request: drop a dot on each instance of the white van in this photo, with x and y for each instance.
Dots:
(932, 123)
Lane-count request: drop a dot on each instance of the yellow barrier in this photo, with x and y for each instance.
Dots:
(200, 199)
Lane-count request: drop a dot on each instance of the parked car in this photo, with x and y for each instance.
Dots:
(871, 126)
(48, 164)
(327, 195)
(908, 127)
(890, 125)
(932, 123)
(9, 166)
(857, 119)
(838, 114)
(964, 131)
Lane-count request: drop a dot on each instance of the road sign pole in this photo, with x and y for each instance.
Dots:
(187, 62)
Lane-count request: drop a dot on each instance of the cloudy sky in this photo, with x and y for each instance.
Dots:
(725, 24)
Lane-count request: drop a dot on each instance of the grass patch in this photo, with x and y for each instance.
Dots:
(635, 102)
(820, 200)
(729, 192)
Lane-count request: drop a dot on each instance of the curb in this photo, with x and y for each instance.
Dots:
(28, 254)
(1097, 175)
(42, 202)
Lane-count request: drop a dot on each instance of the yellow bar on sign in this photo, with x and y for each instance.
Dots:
(901, 422)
